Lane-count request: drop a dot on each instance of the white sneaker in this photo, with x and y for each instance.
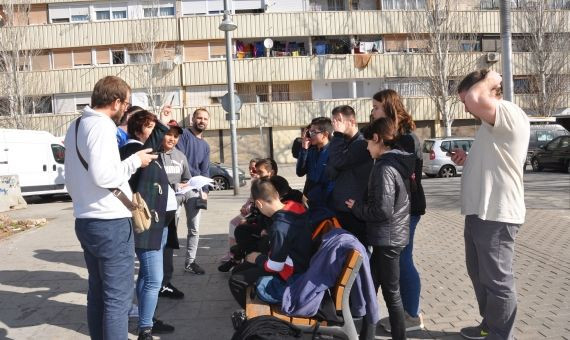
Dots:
(412, 323)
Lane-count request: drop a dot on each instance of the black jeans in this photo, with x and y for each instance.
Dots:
(385, 267)
(243, 276)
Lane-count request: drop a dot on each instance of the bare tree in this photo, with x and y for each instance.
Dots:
(548, 42)
(437, 32)
(154, 54)
(17, 98)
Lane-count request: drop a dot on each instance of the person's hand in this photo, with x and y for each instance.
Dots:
(204, 195)
(339, 125)
(146, 157)
(458, 156)
(182, 185)
(244, 211)
(349, 203)
(252, 256)
(263, 232)
(306, 144)
(166, 114)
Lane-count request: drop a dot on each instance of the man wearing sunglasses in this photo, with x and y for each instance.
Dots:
(313, 159)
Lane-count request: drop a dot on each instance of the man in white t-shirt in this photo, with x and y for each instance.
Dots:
(492, 200)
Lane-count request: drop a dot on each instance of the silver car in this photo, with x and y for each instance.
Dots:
(435, 155)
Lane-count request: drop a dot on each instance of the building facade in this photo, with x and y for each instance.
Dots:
(325, 53)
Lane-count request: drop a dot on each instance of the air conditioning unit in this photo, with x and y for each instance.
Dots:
(492, 57)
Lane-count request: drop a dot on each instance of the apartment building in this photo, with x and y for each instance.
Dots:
(325, 53)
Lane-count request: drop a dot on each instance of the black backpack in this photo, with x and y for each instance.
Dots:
(267, 328)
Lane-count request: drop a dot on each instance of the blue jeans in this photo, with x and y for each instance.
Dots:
(108, 248)
(410, 286)
(149, 281)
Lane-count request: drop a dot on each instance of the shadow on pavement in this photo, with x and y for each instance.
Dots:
(36, 301)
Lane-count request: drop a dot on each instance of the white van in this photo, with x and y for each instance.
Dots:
(36, 157)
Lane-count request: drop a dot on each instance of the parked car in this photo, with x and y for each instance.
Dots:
(554, 155)
(435, 158)
(222, 176)
(540, 134)
(36, 157)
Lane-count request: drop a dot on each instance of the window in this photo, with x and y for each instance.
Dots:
(59, 20)
(81, 106)
(139, 57)
(340, 90)
(521, 86)
(445, 146)
(42, 105)
(82, 58)
(58, 152)
(103, 15)
(118, 57)
(564, 142)
(167, 11)
(280, 92)
(428, 146)
(553, 145)
(403, 4)
(462, 144)
(544, 136)
(262, 92)
(150, 12)
(336, 5)
(79, 17)
(122, 14)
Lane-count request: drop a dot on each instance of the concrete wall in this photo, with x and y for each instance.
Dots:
(250, 145)
(282, 140)
(10, 194)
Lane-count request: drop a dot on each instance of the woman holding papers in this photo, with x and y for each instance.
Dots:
(146, 131)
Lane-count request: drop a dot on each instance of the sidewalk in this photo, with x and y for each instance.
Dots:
(43, 281)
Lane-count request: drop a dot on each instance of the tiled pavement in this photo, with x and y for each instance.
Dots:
(43, 280)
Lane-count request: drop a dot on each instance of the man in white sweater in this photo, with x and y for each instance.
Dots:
(103, 224)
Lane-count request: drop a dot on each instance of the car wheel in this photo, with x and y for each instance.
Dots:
(535, 165)
(447, 171)
(220, 183)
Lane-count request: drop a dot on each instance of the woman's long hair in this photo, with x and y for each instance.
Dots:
(395, 110)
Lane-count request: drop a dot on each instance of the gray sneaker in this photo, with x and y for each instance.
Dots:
(474, 333)
(194, 268)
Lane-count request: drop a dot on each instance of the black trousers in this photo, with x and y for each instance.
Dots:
(243, 276)
(385, 267)
(248, 239)
(352, 224)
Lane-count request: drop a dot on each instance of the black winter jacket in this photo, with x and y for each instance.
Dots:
(349, 167)
(410, 143)
(386, 210)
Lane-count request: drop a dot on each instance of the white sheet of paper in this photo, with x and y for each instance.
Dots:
(196, 182)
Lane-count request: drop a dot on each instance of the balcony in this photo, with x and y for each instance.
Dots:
(116, 32)
(83, 79)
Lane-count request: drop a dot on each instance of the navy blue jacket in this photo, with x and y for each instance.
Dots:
(313, 163)
(289, 241)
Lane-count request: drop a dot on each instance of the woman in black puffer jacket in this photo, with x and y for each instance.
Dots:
(386, 212)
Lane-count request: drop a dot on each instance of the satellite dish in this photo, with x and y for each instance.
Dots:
(268, 43)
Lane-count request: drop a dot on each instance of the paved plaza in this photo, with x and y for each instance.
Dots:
(43, 280)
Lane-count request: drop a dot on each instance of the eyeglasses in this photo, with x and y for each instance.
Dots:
(314, 133)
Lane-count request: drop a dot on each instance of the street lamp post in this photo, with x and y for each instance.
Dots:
(507, 49)
(228, 26)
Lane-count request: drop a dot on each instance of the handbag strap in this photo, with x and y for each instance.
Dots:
(115, 191)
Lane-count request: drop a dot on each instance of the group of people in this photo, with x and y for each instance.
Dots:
(117, 149)
(367, 180)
